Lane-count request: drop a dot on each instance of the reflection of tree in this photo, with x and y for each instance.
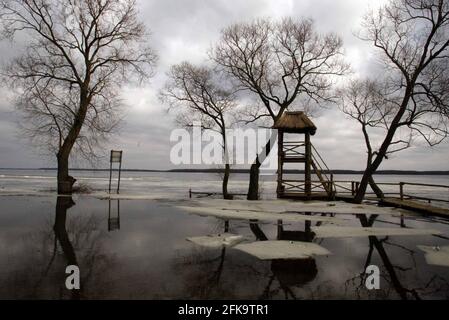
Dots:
(64, 240)
(62, 205)
(391, 269)
(220, 273)
(202, 284)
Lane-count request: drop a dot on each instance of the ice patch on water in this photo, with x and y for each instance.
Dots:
(437, 256)
(217, 241)
(272, 250)
(349, 232)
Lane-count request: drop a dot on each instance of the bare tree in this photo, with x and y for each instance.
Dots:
(413, 38)
(77, 55)
(197, 94)
(279, 62)
(366, 101)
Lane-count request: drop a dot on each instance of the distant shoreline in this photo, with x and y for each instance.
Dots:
(242, 171)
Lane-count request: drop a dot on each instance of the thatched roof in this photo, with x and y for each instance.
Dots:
(295, 122)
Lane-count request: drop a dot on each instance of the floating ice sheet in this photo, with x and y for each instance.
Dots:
(234, 214)
(348, 232)
(273, 250)
(217, 241)
(437, 256)
(280, 205)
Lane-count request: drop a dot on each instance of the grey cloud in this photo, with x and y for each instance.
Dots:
(185, 30)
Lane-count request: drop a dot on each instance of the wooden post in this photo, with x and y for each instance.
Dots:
(331, 187)
(279, 190)
(190, 193)
(119, 175)
(308, 164)
(118, 213)
(401, 190)
(353, 188)
(110, 176)
(116, 156)
(280, 229)
(109, 216)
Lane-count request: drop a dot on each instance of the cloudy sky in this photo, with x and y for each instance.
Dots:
(185, 30)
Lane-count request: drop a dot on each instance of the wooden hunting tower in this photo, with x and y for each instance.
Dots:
(301, 152)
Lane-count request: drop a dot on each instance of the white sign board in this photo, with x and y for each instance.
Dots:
(116, 156)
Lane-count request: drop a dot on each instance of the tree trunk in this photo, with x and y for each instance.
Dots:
(360, 195)
(227, 172)
(253, 189)
(371, 169)
(379, 193)
(65, 181)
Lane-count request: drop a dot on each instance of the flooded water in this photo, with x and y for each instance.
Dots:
(138, 250)
(176, 184)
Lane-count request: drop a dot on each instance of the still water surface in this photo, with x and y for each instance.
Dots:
(138, 249)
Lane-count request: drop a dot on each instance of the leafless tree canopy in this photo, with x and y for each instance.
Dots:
(196, 93)
(413, 37)
(78, 54)
(368, 102)
(278, 61)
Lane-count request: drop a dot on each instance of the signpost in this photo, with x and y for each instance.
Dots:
(116, 157)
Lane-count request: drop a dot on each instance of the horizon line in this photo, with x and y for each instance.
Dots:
(208, 170)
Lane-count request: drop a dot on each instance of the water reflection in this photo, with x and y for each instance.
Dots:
(292, 272)
(113, 218)
(68, 240)
(61, 236)
(150, 258)
(389, 272)
(204, 281)
(295, 278)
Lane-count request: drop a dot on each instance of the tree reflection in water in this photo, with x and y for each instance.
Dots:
(204, 280)
(290, 279)
(389, 272)
(203, 272)
(67, 240)
(61, 236)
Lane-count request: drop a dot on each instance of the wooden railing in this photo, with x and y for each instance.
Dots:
(345, 187)
(293, 149)
(403, 195)
(299, 186)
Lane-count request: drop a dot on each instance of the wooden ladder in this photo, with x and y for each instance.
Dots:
(327, 183)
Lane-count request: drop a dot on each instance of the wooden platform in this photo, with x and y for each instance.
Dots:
(404, 204)
(415, 206)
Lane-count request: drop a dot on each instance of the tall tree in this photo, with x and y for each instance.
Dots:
(413, 39)
(77, 56)
(278, 62)
(197, 94)
(366, 101)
